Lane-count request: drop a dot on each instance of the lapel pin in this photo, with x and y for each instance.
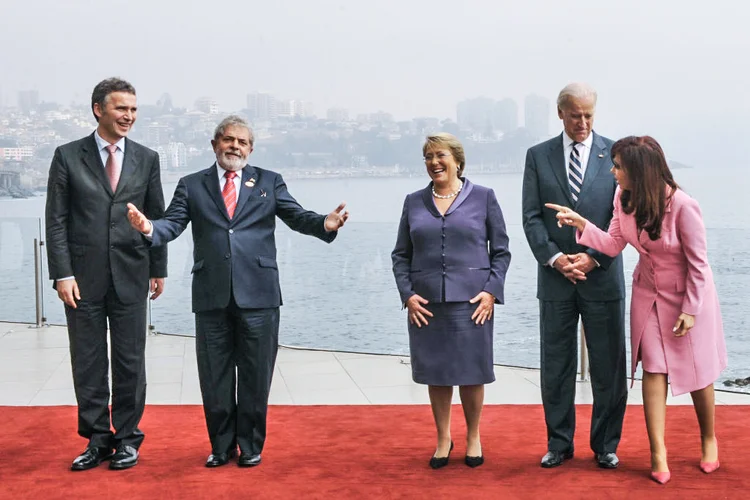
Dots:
(250, 183)
(262, 194)
(601, 155)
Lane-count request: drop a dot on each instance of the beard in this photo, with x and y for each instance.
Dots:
(231, 162)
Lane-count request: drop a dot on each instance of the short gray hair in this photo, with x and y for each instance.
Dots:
(575, 90)
(233, 121)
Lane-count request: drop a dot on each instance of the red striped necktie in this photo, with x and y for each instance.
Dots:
(229, 193)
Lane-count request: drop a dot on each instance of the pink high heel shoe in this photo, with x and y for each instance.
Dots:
(661, 477)
(709, 467)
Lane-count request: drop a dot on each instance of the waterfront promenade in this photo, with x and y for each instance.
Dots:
(35, 371)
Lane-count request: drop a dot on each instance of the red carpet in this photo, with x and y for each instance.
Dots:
(367, 452)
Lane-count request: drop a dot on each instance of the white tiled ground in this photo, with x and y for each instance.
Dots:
(35, 371)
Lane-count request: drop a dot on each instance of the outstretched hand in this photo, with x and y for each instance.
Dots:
(337, 218)
(139, 221)
(566, 216)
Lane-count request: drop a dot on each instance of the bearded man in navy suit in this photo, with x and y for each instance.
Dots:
(236, 295)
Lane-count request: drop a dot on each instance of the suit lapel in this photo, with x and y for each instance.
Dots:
(427, 200)
(247, 186)
(92, 159)
(211, 182)
(465, 191)
(597, 158)
(556, 158)
(130, 163)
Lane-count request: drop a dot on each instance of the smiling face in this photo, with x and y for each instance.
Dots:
(117, 116)
(233, 148)
(621, 176)
(441, 165)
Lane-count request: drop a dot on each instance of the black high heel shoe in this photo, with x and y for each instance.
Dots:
(474, 461)
(437, 463)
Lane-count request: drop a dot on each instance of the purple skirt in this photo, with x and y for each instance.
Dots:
(451, 349)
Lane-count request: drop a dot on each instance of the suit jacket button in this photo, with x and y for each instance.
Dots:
(443, 273)
(231, 231)
(226, 255)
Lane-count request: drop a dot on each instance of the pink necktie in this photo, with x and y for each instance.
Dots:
(229, 193)
(112, 167)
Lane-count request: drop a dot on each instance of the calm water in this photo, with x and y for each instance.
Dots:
(342, 296)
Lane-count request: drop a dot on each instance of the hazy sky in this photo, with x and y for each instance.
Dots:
(676, 69)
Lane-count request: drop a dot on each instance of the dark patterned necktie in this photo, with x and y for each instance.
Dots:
(575, 172)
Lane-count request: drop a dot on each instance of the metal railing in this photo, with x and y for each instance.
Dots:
(38, 281)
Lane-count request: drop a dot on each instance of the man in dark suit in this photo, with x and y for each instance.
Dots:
(236, 295)
(572, 169)
(102, 270)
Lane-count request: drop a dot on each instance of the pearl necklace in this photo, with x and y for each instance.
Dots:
(448, 196)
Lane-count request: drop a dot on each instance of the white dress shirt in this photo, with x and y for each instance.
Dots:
(104, 154)
(585, 153)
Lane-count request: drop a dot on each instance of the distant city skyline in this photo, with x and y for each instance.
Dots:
(504, 114)
(672, 69)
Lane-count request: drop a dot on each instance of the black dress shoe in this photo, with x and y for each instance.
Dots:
(248, 460)
(219, 459)
(437, 463)
(474, 461)
(553, 458)
(91, 458)
(607, 460)
(124, 458)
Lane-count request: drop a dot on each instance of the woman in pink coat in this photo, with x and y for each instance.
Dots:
(675, 319)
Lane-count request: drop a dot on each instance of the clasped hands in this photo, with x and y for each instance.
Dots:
(418, 313)
(574, 266)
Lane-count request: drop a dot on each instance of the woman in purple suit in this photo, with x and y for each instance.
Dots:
(675, 320)
(450, 261)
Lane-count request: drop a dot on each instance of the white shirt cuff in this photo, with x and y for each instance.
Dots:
(551, 262)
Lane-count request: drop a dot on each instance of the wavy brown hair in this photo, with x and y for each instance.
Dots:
(645, 165)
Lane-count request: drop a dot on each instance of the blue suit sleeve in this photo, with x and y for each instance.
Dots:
(175, 219)
(401, 256)
(536, 232)
(297, 218)
(498, 248)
